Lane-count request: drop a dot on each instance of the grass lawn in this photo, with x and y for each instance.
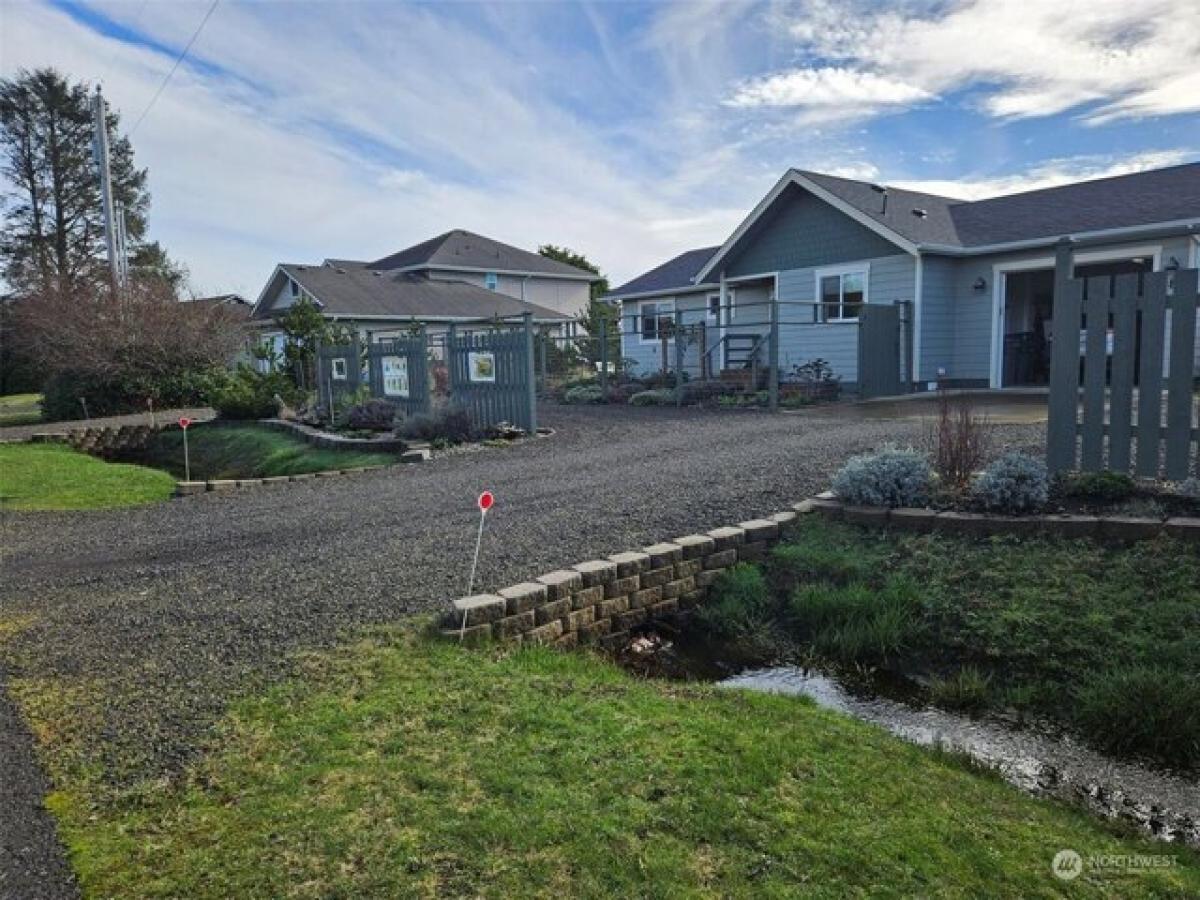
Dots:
(249, 451)
(20, 409)
(1104, 639)
(400, 767)
(51, 476)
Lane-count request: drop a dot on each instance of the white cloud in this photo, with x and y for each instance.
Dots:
(826, 87)
(1047, 174)
(1022, 57)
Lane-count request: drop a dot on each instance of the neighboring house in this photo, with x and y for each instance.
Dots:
(456, 277)
(978, 275)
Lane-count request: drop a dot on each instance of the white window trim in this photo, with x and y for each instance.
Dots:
(863, 269)
(1033, 264)
(642, 339)
(491, 281)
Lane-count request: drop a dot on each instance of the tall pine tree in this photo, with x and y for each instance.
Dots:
(53, 237)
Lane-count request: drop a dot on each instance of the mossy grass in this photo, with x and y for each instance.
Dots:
(50, 476)
(1100, 638)
(249, 451)
(398, 766)
(20, 409)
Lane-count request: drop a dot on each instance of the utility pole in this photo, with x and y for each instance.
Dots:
(112, 232)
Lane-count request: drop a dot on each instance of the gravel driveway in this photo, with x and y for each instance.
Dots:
(175, 608)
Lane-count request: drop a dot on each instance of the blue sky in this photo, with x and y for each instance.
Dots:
(628, 131)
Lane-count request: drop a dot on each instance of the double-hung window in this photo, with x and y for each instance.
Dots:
(841, 292)
(655, 320)
(490, 281)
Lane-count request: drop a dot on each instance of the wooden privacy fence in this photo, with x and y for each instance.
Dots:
(489, 364)
(492, 375)
(1131, 329)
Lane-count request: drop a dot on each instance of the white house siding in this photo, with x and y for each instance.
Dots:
(563, 295)
(890, 279)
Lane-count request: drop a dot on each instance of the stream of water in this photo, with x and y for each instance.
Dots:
(1037, 760)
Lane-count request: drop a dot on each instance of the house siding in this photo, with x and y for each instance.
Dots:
(563, 295)
(951, 305)
(804, 231)
(890, 279)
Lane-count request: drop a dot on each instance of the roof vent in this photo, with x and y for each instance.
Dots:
(919, 213)
(340, 270)
(376, 273)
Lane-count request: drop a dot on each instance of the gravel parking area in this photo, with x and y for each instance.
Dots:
(164, 613)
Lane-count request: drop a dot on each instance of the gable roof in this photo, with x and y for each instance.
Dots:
(674, 274)
(459, 249)
(356, 291)
(1166, 197)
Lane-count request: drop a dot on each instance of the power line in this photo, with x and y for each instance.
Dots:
(179, 59)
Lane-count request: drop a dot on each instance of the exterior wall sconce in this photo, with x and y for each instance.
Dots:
(980, 284)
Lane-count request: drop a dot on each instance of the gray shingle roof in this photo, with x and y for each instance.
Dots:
(1121, 201)
(356, 290)
(464, 249)
(674, 274)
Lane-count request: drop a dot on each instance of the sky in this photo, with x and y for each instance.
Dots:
(630, 132)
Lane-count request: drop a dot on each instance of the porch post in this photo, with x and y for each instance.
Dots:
(773, 356)
(678, 357)
(722, 323)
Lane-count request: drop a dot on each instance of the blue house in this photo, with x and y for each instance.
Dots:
(974, 280)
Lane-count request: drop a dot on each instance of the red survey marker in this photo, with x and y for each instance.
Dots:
(184, 422)
(486, 500)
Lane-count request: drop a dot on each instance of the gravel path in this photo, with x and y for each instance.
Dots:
(177, 607)
(24, 432)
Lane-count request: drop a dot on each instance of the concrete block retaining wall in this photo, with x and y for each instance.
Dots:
(602, 600)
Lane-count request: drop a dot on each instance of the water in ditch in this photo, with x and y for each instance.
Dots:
(1038, 759)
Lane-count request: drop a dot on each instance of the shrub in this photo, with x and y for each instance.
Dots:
(247, 394)
(584, 393)
(967, 689)
(373, 415)
(740, 613)
(1145, 710)
(450, 424)
(959, 442)
(857, 623)
(891, 477)
(1015, 483)
(1100, 487)
(115, 393)
(657, 397)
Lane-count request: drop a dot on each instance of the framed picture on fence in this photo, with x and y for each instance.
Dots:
(395, 376)
(481, 366)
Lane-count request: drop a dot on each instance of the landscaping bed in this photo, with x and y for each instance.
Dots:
(1104, 640)
(51, 476)
(399, 766)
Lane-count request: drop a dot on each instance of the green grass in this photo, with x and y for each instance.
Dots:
(49, 476)
(1104, 639)
(398, 767)
(20, 409)
(249, 451)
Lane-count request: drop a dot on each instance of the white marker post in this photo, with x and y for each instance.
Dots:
(485, 502)
(187, 463)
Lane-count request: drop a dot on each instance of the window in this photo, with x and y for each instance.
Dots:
(339, 370)
(841, 293)
(714, 308)
(293, 288)
(490, 281)
(656, 320)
